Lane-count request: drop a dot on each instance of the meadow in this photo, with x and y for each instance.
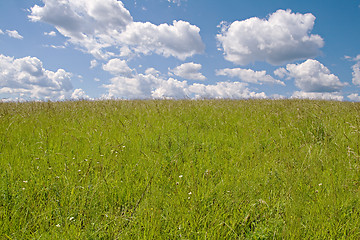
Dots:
(187, 169)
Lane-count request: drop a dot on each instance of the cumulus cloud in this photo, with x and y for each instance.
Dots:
(356, 69)
(189, 71)
(356, 74)
(249, 75)
(317, 95)
(354, 97)
(118, 67)
(134, 87)
(152, 71)
(14, 34)
(172, 89)
(282, 38)
(79, 94)
(181, 39)
(311, 76)
(1, 31)
(97, 25)
(228, 90)
(154, 85)
(27, 78)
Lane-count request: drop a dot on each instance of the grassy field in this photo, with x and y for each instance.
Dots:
(209, 169)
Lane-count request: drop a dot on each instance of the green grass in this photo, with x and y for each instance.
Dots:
(209, 169)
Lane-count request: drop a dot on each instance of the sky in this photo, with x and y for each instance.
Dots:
(179, 49)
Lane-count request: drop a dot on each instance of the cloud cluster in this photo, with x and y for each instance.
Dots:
(230, 90)
(249, 75)
(27, 78)
(190, 71)
(107, 30)
(131, 85)
(282, 38)
(318, 95)
(97, 25)
(311, 76)
(354, 97)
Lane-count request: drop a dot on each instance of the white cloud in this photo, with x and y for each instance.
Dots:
(248, 75)
(189, 71)
(1, 32)
(356, 69)
(134, 87)
(172, 89)
(118, 67)
(79, 94)
(277, 96)
(127, 84)
(153, 85)
(74, 17)
(55, 47)
(227, 90)
(125, 51)
(281, 72)
(356, 74)
(177, 2)
(181, 39)
(354, 97)
(152, 71)
(93, 64)
(311, 76)
(317, 95)
(26, 77)
(282, 38)
(14, 34)
(51, 34)
(96, 25)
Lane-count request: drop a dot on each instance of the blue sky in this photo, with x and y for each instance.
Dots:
(99, 49)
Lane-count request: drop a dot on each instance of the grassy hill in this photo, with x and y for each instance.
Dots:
(207, 169)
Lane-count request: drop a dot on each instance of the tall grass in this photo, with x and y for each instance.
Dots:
(209, 169)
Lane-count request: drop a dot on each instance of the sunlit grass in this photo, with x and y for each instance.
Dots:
(207, 169)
